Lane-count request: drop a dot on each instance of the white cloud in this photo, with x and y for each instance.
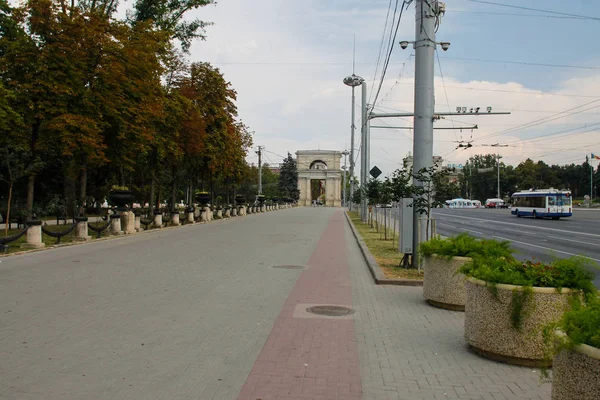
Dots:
(287, 61)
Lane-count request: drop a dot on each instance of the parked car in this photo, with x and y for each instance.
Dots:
(495, 203)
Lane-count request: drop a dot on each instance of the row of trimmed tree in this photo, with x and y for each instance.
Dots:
(89, 101)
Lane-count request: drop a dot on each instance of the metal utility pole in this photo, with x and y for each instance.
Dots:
(363, 153)
(259, 152)
(352, 129)
(589, 160)
(352, 81)
(345, 153)
(424, 99)
(498, 157)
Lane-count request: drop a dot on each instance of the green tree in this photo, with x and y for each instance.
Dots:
(168, 16)
(288, 178)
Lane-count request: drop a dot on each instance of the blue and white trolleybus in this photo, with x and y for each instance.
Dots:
(542, 203)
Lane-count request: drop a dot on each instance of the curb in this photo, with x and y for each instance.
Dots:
(374, 268)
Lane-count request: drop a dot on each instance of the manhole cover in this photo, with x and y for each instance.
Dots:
(288, 266)
(330, 311)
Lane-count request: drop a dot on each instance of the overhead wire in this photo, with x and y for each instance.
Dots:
(446, 92)
(535, 64)
(541, 121)
(524, 92)
(381, 44)
(387, 61)
(536, 9)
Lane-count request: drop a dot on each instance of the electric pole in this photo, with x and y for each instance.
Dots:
(424, 45)
(498, 157)
(353, 81)
(363, 154)
(259, 152)
(345, 153)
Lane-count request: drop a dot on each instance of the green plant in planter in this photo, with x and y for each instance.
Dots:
(117, 187)
(464, 245)
(564, 273)
(580, 325)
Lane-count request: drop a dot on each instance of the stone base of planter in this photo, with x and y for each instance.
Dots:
(489, 329)
(524, 362)
(446, 306)
(576, 374)
(442, 286)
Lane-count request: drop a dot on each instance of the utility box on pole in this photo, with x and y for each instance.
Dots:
(405, 241)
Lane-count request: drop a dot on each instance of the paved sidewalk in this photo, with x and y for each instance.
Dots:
(411, 350)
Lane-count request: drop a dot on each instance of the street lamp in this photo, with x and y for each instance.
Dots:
(344, 153)
(352, 81)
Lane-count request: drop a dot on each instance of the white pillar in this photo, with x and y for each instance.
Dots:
(190, 216)
(82, 229)
(158, 221)
(175, 218)
(128, 222)
(34, 235)
(115, 224)
(137, 224)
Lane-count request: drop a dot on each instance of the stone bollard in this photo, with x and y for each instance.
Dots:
(206, 214)
(115, 224)
(263, 208)
(197, 212)
(158, 222)
(227, 212)
(34, 235)
(137, 223)
(190, 215)
(128, 222)
(234, 211)
(82, 228)
(175, 218)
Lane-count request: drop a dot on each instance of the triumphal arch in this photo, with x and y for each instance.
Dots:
(319, 177)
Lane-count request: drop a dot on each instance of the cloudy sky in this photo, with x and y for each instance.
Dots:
(287, 59)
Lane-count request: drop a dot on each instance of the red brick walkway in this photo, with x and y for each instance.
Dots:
(311, 357)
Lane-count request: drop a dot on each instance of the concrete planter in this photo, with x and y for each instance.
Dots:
(488, 325)
(442, 286)
(576, 374)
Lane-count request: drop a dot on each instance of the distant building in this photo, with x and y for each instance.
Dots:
(438, 161)
(408, 162)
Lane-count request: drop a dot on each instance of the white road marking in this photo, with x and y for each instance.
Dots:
(542, 247)
(576, 241)
(522, 226)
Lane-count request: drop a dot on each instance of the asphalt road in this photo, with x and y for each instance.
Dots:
(543, 239)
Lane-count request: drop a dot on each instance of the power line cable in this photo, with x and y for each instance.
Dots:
(381, 44)
(514, 14)
(541, 120)
(387, 61)
(445, 92)
(523, 63)
(535, 9)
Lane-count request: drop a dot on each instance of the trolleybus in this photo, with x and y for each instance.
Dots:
(542, 203)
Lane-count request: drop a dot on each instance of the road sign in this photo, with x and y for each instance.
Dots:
(375, 172)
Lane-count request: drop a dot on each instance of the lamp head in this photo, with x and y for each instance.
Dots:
(445, 45)
(404, 44)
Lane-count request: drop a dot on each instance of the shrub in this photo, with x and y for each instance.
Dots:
(582, 324)
(464, 245)
(564, 273)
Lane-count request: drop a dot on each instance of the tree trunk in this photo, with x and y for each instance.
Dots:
(30, 188)
(7, 222)
(151, 202)
(174, 189)
(83, 191)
